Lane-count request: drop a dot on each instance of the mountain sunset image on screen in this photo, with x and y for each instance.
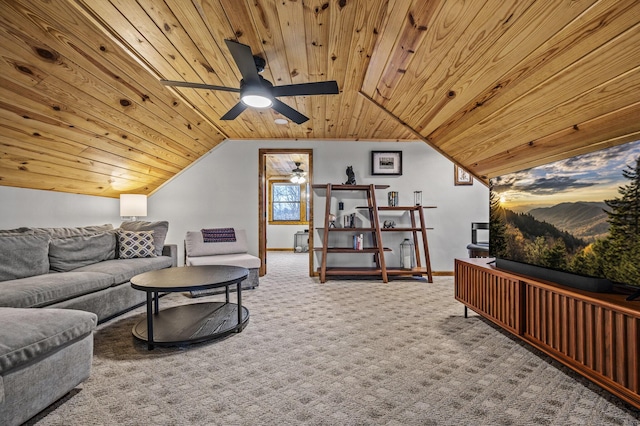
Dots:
(579, 215)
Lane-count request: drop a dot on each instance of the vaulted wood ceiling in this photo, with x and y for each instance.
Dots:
(495, 85)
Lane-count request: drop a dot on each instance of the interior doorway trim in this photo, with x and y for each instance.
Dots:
(263, 202)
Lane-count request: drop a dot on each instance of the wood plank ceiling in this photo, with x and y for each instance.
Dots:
(281, 165)
(495, 85)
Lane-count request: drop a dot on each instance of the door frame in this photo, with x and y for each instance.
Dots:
(263, 199)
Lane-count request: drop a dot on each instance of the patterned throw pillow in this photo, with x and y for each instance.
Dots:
(135, 244)
(159, 229)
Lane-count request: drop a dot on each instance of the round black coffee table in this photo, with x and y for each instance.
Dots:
(195, 322)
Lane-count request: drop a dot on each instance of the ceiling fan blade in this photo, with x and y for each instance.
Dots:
(198, 85)
(289, 112)
(244, 59)
(303, 89)
(234, 112)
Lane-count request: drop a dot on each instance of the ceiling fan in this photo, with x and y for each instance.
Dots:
(257, 92)
(297, 174)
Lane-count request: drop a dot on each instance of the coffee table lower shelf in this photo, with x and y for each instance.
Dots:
(192, 323)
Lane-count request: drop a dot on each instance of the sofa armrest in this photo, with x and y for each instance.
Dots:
(171, 250)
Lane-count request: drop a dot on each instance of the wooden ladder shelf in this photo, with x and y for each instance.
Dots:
(377, 248)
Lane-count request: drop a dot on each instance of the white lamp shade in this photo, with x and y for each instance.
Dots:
(133, 205)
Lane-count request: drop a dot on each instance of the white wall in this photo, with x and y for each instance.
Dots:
(221, 190)
(424, 169)
(281, 236)
(30, 207)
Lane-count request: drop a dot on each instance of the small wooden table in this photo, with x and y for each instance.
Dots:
(195, 322)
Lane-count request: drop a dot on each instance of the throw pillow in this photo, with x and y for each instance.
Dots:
(159, 229)
(66, 254)
(133, 244)
(23, 256)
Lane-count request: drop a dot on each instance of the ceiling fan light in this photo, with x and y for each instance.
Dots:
(298, 179)
(256, 101)
(297, 174)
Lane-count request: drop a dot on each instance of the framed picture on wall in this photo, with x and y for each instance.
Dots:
(461, 176)
(386, 163)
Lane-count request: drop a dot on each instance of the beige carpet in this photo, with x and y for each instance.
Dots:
(347, 352)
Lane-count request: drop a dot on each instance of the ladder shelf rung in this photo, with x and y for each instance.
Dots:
(351, 250)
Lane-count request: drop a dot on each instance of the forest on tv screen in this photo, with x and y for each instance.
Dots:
(615, 256)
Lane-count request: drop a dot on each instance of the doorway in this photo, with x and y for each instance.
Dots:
(278, 164)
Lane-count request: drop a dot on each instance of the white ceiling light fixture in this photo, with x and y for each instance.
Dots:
(298, 175)
(256, 97)
(257, 101)
(280, 121)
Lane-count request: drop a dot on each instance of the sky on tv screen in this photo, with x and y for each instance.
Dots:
(591, 177)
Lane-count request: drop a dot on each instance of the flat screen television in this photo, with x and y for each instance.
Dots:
(575, 222)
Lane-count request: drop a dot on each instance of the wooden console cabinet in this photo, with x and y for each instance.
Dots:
(595, 334)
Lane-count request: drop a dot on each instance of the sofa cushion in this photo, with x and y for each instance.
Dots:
(28, 334)
(73, 232)
(195, 245)
(238, 259)
(23, 256)
(66, 254)
(122, 270)
(159, 229)
(133, 244)
(43, 290)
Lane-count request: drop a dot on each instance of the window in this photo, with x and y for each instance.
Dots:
(288, 204)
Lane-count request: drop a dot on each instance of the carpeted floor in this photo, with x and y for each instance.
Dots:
(347, 352)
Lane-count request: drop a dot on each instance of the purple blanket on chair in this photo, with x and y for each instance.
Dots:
(219, 235)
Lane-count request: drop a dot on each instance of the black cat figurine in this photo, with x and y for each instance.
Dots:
(351, 177)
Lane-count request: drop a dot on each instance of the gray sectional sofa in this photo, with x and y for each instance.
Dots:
(81, 276)
(44, 354)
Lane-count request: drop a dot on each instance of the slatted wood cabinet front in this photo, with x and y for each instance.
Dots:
(596, 335)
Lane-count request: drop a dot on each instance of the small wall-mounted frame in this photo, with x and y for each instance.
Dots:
(387, 163)
(461, 176)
